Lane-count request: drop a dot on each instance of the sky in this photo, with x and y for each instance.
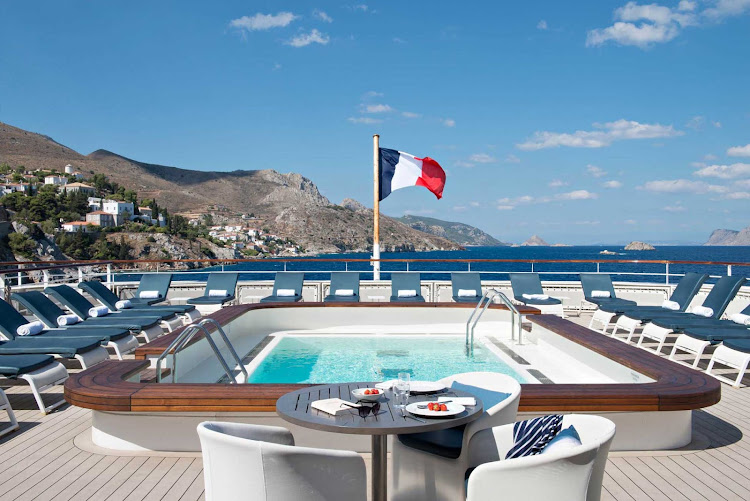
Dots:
(592, 122)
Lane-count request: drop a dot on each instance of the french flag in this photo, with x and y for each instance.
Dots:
(399, 170)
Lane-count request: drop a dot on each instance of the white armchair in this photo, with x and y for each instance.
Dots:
(419, 475)
(245, 461)
(573, 474)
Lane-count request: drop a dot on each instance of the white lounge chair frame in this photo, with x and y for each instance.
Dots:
(731, 358)
(43, 379)
(5, 406)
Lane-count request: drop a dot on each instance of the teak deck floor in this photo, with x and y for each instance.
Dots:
(42, 461)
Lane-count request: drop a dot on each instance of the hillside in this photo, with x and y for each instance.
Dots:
(290, 204)
(730, 237)
(460, 233)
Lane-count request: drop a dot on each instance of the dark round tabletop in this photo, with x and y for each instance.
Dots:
(295, 408)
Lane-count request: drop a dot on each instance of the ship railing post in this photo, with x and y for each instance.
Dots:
(729, 270)
(666, 273)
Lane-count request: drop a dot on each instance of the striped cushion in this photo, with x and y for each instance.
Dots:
(531, 436)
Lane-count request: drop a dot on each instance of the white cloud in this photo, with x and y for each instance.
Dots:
(576, 195)
(505, 207)
(739, 151)
(409, 114)
(630, 221)
(604, 135)
(482, 158)
(724, 171)
(716, 124)
(364, 120)
(449, 122)
(696, 122)
(376, 108)
(587, 223)
(305, 39)
(360, 7)
(512, 159)
(682, 186)
(645, 25)
(675, 208)
(612, 184)
(460, 208)
(474, 204)
(370, 94)
(461, 163)
(744, 183)
(260, 22)
(398, 40)
(319, 14)
(709, 157)
(595, 171)
(738, 195)
(557, 183)
(276, 66)
(541, 25)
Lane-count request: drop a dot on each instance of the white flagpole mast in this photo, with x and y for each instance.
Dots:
(376, 208)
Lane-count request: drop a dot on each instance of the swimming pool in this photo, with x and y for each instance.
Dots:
(341, 359)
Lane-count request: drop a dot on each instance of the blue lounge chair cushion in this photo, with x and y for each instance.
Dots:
(281, 299)
(718, 334)
(66, 347)
(739, 344)
(591, 282)
(489, 398)
(105, 334)
(101, 293)
(130, 323)
(17, 365)
(538, 302)
(611, 303)
(343, 280)
(466, 281)
(688, 320)
(444, 443)
(417, 299)
(79, 305)
(341, 299)
(286, 280)
(529, 283)
(218, 282)
(159, 282)
(466, 299)
(718, 299)
(211, 299)
(406, 281)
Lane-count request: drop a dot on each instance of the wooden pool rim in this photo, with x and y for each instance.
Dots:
(110, 386)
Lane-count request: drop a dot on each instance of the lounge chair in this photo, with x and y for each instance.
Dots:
(695, 339)
(287, 288)
(432, 465)
(152, 289)
(107, 298)
(40, 371)
(406, 288)
(570, 472)
(78, 304)
(717, 300)
(87, 350)
(120, 340)
(48, 312)
(249, 461)
(220, 289)
(527, 289)
(599, 290)
(630, 317)
(344, 287)
(466, 287)
(734, 353)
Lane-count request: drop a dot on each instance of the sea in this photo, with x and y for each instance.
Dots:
(264, 269)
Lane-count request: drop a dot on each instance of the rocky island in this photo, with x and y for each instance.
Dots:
(635, 245)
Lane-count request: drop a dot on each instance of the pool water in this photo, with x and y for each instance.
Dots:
(341, 359)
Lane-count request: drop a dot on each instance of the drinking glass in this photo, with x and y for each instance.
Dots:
(401, 390)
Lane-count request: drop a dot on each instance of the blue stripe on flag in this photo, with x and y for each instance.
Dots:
(388, 161)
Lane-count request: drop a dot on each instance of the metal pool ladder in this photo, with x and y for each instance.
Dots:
(184, 338)
(481, 307)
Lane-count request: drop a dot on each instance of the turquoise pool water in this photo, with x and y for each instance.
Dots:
(340, 359)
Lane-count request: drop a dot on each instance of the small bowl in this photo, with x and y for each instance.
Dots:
(359, 394)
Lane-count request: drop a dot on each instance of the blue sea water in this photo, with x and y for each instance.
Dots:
(561, 271)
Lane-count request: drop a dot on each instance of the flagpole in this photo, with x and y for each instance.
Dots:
(376, 207)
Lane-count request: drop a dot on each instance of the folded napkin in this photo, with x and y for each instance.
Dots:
(344, 292)
(64, 320)
(536, 296)
(600, 294)
(702, 311)
(740, 318)
(218, 293)
(286, 292)
(99, 311)
(465, 401)
(407, 293)
(670, 305)
(467, 293)
(30, 329)
(123, 304)
(149, 295)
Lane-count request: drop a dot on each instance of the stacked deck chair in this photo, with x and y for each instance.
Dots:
(344, 287)
(40, 371)
(695, 340)
(630, 317)
(406, 288)
(107, 298)
(707, 315)
(15, 327)
(598, 289)
(466, 287)
(220, 289)
(527, 289)
(53, 316)
(152, 289)
(287, 288)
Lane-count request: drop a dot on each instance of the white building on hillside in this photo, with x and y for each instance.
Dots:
(120, 210)
(56, 180)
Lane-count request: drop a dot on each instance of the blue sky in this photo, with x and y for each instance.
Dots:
(606, 122)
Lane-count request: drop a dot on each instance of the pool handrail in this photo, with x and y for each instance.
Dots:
(490, 295)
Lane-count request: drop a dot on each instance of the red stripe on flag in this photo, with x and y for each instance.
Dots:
(433, 176)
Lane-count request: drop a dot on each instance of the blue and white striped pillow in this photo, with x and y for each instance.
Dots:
(531, 436)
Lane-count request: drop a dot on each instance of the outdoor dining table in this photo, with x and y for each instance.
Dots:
(295, 408)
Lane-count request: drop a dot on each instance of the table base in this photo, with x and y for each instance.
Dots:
(379, 488)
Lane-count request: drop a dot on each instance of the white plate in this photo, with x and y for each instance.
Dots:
(453, 410)
(359, 394)
(415, 386)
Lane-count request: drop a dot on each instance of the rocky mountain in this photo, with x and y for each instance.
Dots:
(460, 233)
(290, 204)
(635, 245)
(535, 241)
(729, 237)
